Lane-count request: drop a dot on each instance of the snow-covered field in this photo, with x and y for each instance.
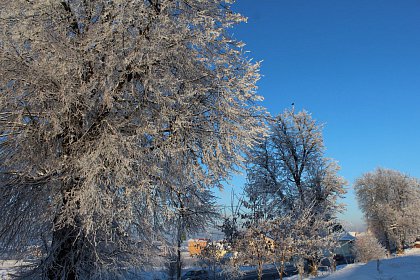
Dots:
(406, 267)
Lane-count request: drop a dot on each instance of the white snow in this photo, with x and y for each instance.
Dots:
(406, 267)
(7, 267)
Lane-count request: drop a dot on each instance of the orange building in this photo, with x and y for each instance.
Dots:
(196, 245)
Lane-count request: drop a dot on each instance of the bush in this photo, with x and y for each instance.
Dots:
(368, 248)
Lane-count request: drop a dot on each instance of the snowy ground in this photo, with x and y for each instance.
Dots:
(406, 267)
(7, 267)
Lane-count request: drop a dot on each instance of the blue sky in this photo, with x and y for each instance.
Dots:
(355, 65)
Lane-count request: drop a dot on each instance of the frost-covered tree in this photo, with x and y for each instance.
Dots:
(211, 258)
(193, 210)
(231, 219)
(255, 247)
(253, 243)
(288, 240)
(289, 172)
(367, 248)
(389, 200)
(103, 103)
(289, 167)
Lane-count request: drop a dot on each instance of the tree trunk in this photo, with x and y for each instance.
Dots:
(281, 271)
(401, 242)
(282, 266)
(387, 244)
(314, 267)
(260, 268)
(178, 260)
(69, 253)
(65, 255)
(179, 236)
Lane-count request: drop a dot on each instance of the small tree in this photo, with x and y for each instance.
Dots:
(211, 257)
(289, 236)
(192, 211)
(231, 221)
(281, 229)
(367, 248)
(255, 247)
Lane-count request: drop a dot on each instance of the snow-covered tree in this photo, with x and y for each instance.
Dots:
(253, 243)
(103, 103)
(193, 211)
(288, 238)
(255, 247)
(367, 248)
(289, 166)
(211, 258)
(290, 174)
(389, 200)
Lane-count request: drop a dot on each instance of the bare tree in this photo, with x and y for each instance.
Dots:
(211, 258)
(284, 230)
(231, 219)
(194, 211)
(389, 201)
(102, 104)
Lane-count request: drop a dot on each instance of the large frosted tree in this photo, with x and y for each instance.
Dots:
(105, 107)
(389, 200)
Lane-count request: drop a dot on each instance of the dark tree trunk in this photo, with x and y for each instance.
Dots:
(282, 266)
(387, 245)
(313, 264)
(260, 269)
(65, 254)
(69, 250)
(178, 260)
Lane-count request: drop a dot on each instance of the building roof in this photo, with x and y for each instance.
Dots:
(347, 237)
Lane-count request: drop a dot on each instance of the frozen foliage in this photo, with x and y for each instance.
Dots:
(293, 186)
(389, 201)
(289, 168)
(368, 248)
(255, 246)
(110, 111)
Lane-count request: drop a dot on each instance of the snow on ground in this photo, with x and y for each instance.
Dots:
(7, 267)
(406, 267)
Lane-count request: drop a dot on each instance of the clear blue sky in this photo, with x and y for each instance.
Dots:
(355, 65)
